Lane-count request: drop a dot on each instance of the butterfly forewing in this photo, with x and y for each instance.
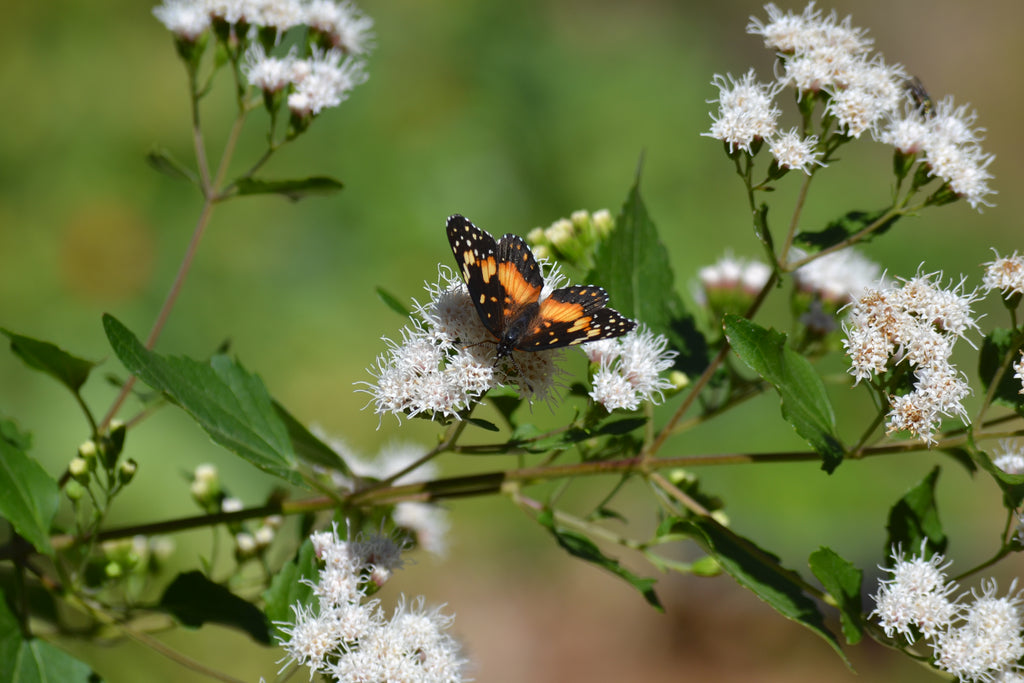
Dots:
(476, 253)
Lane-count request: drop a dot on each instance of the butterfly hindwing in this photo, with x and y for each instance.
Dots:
(573, 315)
(476, 253)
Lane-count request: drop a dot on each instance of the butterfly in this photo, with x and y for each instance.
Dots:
(505, 282)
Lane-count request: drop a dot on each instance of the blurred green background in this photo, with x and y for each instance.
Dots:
(514, 114)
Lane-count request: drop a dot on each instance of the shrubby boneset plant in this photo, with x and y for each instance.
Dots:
(300, 58)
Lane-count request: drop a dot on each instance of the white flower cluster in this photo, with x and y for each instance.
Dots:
(630, 369)
(341, 23)
(1005, 273)
(446, 359)
(949, 144)
(839, 277)
(821, 54)
(348, 638)
(981, 641)
(319, 82)
(917, 322)
(426, 521)
(731, 273)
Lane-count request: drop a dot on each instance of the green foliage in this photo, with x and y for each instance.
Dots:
(914, 520)
(633, 265)
(194, 600)
(761, 573)
(229, 403)
(292, 189)
(846, 226)
(30, 660)
(67, 369)
(288, 586)
(162, 161)
(30, 497)
(998, 345)
(578, 545)
(842, 580)
(805, 403)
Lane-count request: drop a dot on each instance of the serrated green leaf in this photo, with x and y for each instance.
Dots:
(163, 161)
(69, 370)
(845, 227)
(580, 546)
(392, 302)
(842, 580)
(308, 446)
(633, 265)
(32, 660)
(915, 519)
(195, 600)
(30, 494)
(998, 344)
(232, 405)
(805, 403)
(761, 573)
(292, 189)
(287, 588)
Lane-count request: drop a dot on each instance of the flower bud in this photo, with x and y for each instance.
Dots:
(79, 468)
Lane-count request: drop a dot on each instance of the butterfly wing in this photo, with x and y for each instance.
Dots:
(573, 315)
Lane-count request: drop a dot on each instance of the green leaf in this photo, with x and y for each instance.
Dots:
(506, 405)
(761, 573)
(633, 265)
(392, 302)
(915, 519)
(1012, 485)
(229, 403)
(292, 189)
(30, 660)
(161, 160)
(308, 446)
(30, 495)
(69, 370)
(842, 580)
(845, 227)
(195, 600)
(483, 424)
(623, 426)
(580, 546)
(997, 346)
(805, 403)
(287, 587)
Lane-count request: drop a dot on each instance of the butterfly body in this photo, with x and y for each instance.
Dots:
(505, 282)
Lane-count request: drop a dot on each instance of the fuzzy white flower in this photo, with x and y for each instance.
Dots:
(347, 28)
(917, 596)
(186, 19)
(323, 81)
(269, 74)
(988, 642)
(795, 33)
(793, 151)
(630, 369)
(746, 111)
(1011, 460)
(1005, 273)
(839, 277)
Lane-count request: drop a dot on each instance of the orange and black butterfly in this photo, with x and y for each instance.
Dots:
(504, 281)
